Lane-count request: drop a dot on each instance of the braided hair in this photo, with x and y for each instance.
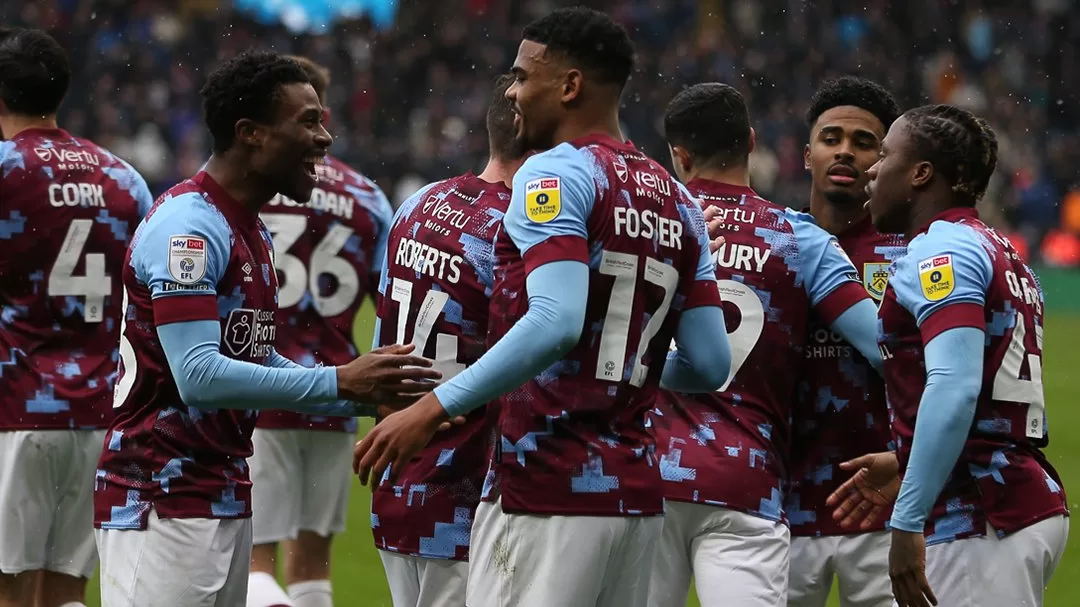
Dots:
(961, 146)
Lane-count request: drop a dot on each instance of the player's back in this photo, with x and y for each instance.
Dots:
(1002, 476)
(840, 410)
(69, 209)
(326, 252)
(730, 447)
(434, 292)
(572, 440)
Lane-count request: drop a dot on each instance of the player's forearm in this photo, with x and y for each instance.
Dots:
(702, 359)
(207, 379)
(954, 362)
(341, 408)
(858, 325)
(558, 292)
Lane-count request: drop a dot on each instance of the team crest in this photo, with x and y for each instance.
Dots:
(936, 277)
(875, 277)
(543, 200)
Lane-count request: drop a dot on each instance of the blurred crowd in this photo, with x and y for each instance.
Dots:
(407, 102)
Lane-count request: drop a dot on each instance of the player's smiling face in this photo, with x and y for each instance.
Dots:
(292, 146)
(844, 143)
(893, 180)
(537, 94)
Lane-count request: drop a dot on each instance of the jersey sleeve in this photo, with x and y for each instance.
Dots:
(180, 254)
(382, 215)
(830, 279)
(943, 280)
(137, 188)
(703, 291)
(552, 198)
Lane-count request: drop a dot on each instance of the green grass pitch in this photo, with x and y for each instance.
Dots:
(358, 574)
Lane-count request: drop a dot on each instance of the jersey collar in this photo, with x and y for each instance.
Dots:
(229, 206)
(952, 215)
(606, 141)
(720, 188)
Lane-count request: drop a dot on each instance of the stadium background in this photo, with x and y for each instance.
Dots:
(412, 79)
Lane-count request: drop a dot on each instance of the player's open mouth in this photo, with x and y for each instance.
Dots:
(309, 166)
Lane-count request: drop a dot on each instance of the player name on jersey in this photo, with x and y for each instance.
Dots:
(329, 196)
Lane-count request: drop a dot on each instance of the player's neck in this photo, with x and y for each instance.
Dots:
(501, 171)
(739, 175)
(13, 124)
(833, 217)
(248, 189)
(924, 211)
(581, 124)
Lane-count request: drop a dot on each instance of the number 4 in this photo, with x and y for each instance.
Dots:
(1009, 387)
(94, 285)
(446, 346)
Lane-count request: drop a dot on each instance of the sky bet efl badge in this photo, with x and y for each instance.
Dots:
(542, 199)
(875, 276)
(187, 259)
(936, 276)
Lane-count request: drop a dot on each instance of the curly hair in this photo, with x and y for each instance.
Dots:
(961, 146)
(589, 38)
(712, 122)
(246, 86)
(854, 91)
(317, 74)
(34, 72)
(502, 135)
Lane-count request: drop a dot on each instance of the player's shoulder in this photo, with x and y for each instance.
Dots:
(11, 158)
(362, 188)
(947, 238)
(562, 161)
(185, 204)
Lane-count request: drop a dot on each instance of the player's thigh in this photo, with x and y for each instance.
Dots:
(442, 583)
(811, 570)
(862, 570)
(276, 492)
(326, 478)
(740, 559)
(1019, 566)
(172, 563)
(538, 561)
(955, 573)
(627, 582)
(71, 549)
(403, 577)
(29, 490)
(235, 535)
(669, 583)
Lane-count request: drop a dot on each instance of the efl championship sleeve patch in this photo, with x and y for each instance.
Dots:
(187, 259)
(543, 200)
(936, 277)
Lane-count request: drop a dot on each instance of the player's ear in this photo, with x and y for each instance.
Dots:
(248, 132)
(806, 157)
(571, 87)
(753, 141)
(922, 174)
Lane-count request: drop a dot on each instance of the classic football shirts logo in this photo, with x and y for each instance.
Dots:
(250, 333)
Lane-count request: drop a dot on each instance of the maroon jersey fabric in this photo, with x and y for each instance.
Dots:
(730, 448)
(1002, 476)
(183, 461)
(573, 440)
(327, 253)
(67, 211)
(435, 292)
(840, 412)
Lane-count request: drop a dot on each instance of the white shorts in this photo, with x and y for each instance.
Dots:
(421, 582)
(860, 563)
(990, 571)
(299, 481)
(47, 500)
(195, 562)
(520, 560)
(735, 558)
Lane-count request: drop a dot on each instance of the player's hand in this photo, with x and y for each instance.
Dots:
(384, 411)
(396, 439)
(863, 498)
(907, 569)
(387, 376)
(715, 227)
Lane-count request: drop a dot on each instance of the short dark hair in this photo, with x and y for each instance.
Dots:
(502, 136)
(246, 86)
(854, 91)
(34, 72)
(962, 147)
(712, 122)
(318, 76)
(587, 37)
